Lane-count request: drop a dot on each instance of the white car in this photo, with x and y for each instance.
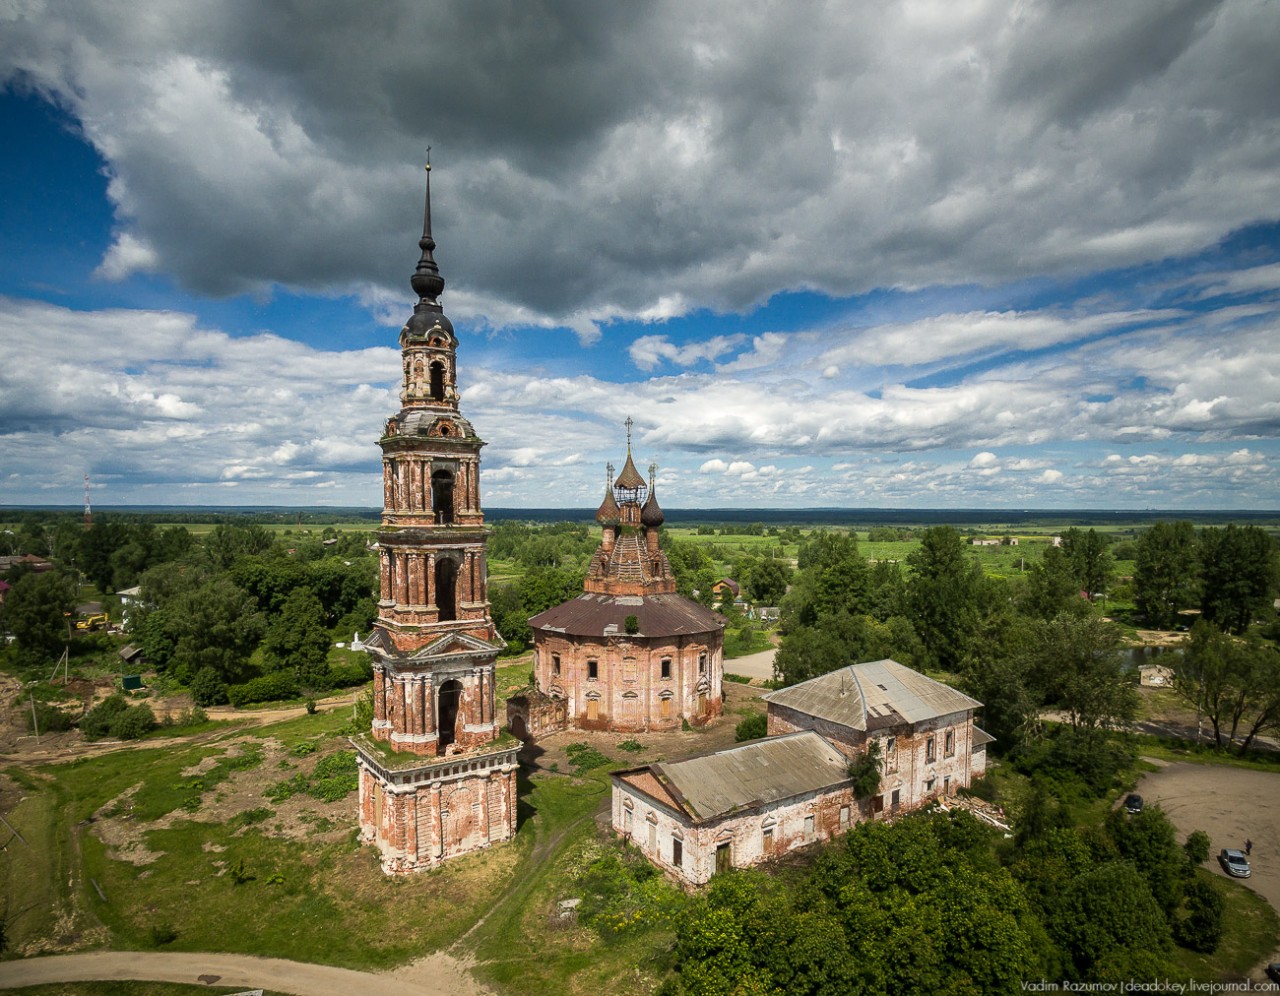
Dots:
(1234, 863)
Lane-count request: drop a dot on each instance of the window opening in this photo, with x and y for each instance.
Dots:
(666, 667)
(442, 497)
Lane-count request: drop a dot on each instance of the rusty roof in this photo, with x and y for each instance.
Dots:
(873, 696)
(593, 614)
(747, 776)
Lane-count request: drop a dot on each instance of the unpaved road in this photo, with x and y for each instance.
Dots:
(437, 975)
(753, 665)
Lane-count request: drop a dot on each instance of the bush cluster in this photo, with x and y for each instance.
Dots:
(114, 717)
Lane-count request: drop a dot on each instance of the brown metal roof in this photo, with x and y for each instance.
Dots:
(630, 477)
(606, 615)
(744, 777)
(873, 696)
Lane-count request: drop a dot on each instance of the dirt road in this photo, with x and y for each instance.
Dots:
(753, 665)
(437, 975)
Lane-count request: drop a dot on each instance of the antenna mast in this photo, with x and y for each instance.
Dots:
(88, 509)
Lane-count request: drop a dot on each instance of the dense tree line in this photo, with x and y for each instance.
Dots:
(931, 903)
(1228, 573)
(213, 613)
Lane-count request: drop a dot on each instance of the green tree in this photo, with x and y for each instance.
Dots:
(1165, 576)
(226, 543)
(1237, 575)
(298, 639)
(1051, 586)
(1200, 929)
(1077, 661)
(36, 610)
(944, 594)
(865, 772)
(767, 580)
(216, 625)
(1090, 560)
(1105, 910)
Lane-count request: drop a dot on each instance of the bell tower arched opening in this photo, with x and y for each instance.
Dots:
(446, 589)
(437, 381)
(449, 697)
(442, 497)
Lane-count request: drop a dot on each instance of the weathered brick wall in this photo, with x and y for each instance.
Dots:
(907, 768)
(652, 827)
(535, 715)
(417, 827)
(629, 690)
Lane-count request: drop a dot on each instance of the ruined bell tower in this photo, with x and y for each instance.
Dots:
(437, 776)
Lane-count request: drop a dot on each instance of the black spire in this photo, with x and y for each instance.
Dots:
(426, 280)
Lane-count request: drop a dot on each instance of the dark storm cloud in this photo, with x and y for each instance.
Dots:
(635, 159)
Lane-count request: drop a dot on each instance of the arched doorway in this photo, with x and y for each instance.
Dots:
(449, 698)
(446, 589)
(518, 729)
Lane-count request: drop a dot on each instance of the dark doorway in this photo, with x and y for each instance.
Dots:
(437, 381)
(450, 694)
(446, 589)
(442, 496)
(518, 729)
(724, 858)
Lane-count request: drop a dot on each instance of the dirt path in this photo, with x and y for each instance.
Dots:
(437, 975)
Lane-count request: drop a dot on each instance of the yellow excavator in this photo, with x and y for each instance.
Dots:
(97, 620)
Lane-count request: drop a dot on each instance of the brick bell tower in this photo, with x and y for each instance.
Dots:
(437, 776)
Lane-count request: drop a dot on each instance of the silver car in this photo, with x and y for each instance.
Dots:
(1234, 863)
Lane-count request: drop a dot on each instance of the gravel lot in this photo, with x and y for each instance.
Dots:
(1231, 805)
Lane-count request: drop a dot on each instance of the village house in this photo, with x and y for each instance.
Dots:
(736, 807)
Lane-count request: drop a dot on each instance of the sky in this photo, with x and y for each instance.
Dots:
(891, 255)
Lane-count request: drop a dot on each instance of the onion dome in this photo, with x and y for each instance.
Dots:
(608, 513)
(630, 478)
(651, 515)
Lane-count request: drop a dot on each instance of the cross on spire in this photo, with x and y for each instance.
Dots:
(628, 423)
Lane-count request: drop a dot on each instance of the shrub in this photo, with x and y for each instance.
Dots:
(134, 722)
(350, 673)
(632, 746)
(1197, 847)
(1201, 929)
(631, 624)
(753, 727)
(207, 688)
(584, 757)
(268, 688)
(49, 717)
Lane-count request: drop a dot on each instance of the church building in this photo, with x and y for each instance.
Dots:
(629, 653)
(437, 774)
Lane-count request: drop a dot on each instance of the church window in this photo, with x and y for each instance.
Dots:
(555, 665)
(808, 828)
(677, 852)
(593, 670)
(949, 745)
(844, 817)
(702, 663)
(653, 834)
(437, 381)
(766, 840)
(930, 750)
(895, 800)
(666, 667)
(629, 669)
